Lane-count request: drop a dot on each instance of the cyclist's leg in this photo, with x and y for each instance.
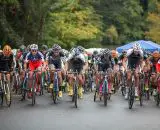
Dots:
(136, 83)
(81, 82)
(31, 68)
(60, 83)
(128, 83)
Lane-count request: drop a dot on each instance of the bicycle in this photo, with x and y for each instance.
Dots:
(123, 83)
(32, 89)
(75, 88)
(16, 80)
(104, 91)
(146, 86)
(131, 93)
(141, 88)
(42, 83)
(55, 89)
(89, 82)
(5, 89)
(157, 97)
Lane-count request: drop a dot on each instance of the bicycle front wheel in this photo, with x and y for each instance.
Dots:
(8, 95)
(131, 98)
(55, 96)
(33, 98)
(105, 98)
(76, 96)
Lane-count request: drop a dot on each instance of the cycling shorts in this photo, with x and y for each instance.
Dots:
(33, 65)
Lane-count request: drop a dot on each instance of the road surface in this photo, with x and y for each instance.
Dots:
(89, 116)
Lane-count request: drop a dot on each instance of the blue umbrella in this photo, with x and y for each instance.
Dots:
(145, 45)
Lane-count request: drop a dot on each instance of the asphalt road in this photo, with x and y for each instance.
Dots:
(88, 116)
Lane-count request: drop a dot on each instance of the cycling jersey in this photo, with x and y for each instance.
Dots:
(105, 63)
(76, 62)
(34, 61)
(134, 59)
(56, 61)
(6, 62)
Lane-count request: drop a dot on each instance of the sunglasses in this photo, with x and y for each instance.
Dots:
(34, 50)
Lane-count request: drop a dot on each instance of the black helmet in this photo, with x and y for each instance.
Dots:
(44, 47)
(56, 47)
(81, 49)
(95, 52)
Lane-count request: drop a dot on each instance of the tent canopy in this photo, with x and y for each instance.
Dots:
(145, 45)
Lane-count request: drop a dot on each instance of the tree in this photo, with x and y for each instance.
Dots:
(71, 23)
(125, 16)
(153, 19)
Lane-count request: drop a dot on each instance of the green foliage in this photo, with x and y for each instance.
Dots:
(72, 24)
(90, 23)
(153, 19)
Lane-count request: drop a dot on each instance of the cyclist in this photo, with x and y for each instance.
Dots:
(44, 50)
(6, 61)
(76, 62)
(134, 55)
(54, 61)
(35, 60)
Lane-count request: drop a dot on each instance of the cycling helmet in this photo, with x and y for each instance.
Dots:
(81, 49)
(44, 47)
(95, 52)
(22, 48)
(34, 47)
(136, 46)
(56, 47)
(76, 51)
(106, 51)
(7, 50)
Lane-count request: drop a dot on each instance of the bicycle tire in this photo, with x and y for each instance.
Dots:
(8, 96)
(42, 85)
(141, 95)
(55, 97)
(130, 98)
(105, 98)
(123, 91)
(1, 99)
(33, 98)
(33, 90)
(147, 95)
(76, 96)
(158, 99)
(95, 95)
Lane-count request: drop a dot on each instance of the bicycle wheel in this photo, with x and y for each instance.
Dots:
(1, 99)
(33, 97)
(55, 96)
(123, 91)
(105, 98)
(42, 85)
(76, 96)
(141, 95)
(8, 95)
(158, 99)
(131, 97)
(33, 91)
(147, 95)
(95, 95)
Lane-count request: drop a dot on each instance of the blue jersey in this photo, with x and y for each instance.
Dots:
(37, 57)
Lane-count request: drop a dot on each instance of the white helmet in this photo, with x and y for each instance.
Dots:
(136, 46)
(34, 47)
